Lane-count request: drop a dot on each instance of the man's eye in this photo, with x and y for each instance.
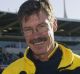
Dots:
(43, 25)
(27, 30)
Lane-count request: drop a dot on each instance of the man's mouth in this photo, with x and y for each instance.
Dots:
(38, 41)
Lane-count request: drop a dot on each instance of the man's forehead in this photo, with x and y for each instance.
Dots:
(38, 16)
(35, 18)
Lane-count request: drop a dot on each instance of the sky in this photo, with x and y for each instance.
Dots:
(72, 7)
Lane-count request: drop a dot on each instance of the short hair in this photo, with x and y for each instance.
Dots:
(30, 7)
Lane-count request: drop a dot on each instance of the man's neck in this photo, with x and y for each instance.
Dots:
(42, 57)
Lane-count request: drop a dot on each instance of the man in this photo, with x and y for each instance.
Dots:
(44, 55)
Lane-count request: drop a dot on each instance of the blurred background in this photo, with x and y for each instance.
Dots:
(12, 43)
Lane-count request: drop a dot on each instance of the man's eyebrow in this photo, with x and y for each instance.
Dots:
(42, 23)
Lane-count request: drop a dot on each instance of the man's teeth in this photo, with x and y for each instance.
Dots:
(38, 43)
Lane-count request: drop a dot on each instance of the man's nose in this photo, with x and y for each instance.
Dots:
(35, 31)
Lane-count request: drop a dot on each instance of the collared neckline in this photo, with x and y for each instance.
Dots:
(67, 57)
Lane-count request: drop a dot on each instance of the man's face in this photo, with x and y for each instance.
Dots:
(39, 33)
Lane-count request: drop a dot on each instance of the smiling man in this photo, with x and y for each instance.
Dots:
(43, 55)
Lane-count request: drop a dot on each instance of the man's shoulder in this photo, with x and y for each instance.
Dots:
(70, 56)
(76, 59)
(13, 67)
(20, 65)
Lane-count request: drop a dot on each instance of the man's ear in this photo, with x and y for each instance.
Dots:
(55, 25)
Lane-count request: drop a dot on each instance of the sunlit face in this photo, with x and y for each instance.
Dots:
(39, 33)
